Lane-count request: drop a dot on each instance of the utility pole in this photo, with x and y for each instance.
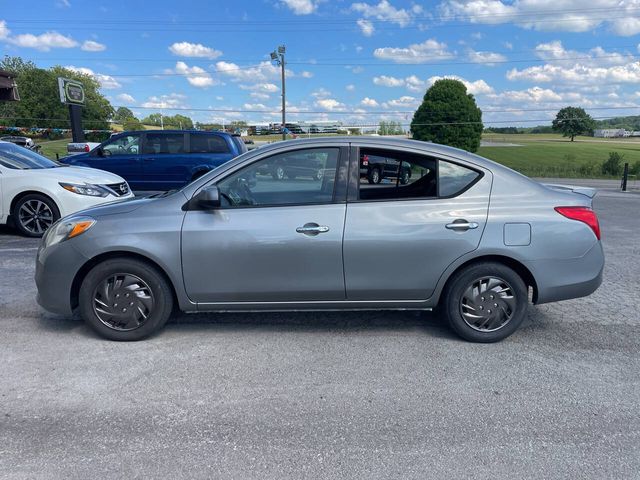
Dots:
(277, 56)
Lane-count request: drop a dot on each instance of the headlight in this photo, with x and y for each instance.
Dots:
(86, 189)
(66, 229)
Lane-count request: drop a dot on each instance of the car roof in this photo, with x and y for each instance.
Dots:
(217, 132)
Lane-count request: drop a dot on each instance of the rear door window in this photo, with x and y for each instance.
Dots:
(208, 143)
(162, 143)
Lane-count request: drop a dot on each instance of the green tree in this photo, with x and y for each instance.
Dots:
(572, 121)
(448, 115)
(155, 119)
(40, 105)
(122, 114)
(390, 128)
(132, 123)
(613, 165)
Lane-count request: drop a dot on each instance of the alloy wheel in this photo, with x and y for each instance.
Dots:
(488, 304)
(123, 302)
(35, 216)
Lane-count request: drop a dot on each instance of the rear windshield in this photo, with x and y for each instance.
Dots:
(20, 158)
(208, 143)
(240, 144)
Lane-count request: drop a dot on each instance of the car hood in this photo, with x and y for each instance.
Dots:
(77, 175)
(127, 206)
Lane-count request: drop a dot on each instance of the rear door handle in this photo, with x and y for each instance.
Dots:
(312, 229)
(461, 225)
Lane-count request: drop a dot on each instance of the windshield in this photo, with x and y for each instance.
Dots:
(19, 158)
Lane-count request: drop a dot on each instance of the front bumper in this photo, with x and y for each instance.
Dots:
(56, 268)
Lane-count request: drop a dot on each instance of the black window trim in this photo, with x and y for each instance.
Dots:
(354, 177)
(339, 187)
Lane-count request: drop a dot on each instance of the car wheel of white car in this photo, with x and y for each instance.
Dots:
(486, 302)
(33, 214)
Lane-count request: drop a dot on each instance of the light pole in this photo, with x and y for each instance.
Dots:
(277, 56)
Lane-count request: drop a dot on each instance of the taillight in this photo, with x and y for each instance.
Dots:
(365, 160)
(86, 148)
(582, 214)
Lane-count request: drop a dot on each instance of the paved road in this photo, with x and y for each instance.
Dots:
(327, 395)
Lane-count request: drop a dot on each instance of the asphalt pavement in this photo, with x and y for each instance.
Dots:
(327, 395)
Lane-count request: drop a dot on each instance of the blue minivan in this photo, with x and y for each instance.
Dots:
(161, 159)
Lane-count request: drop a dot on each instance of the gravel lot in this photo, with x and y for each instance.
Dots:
(327, 395)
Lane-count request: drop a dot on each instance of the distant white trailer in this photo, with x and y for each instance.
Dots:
(610, 133)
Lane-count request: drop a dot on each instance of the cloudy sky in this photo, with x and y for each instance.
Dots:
(358, 62)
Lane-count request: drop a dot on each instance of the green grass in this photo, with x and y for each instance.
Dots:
(555, 156)
(50, 148)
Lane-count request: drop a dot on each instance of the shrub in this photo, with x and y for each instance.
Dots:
(635, 168)
(591, 169)
(613, 166)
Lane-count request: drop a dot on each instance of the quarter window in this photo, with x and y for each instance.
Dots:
(453, 178)
(291, 178)
(159, 143)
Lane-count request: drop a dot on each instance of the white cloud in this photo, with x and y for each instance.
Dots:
(43, 42)
(321, 93)
(91, 46)
(301, 7)
(196, 76)
(350, 88)
(366, 27)
(172, 100)
(478, 87)
(387, 81)
(486, 58)
(186, 49)
(430, 49)
(125, 98)
(263, 72)
(547, 15)
(305, 74)
(330, 104)
(597, 56)
(4, 30)
(369, 102)
(534, 95)
(106, 81)
(255, 106)
(383, 11)
(261, 87)
(403, 102)
(260, 96)
(578, 74)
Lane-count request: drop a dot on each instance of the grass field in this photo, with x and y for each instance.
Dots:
(555, 156)
(50, 148)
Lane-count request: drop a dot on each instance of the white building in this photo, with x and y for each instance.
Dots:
(611, 133)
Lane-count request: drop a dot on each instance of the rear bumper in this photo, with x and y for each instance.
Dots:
(568, 278)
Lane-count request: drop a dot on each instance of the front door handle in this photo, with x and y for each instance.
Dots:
(312, 229)
(461, 225)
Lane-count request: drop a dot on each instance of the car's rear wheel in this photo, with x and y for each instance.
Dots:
(33, 214)
(404, 177)
(125, 299)
(374, 176)
(486, 302)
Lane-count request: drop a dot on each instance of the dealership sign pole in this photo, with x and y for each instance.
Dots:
(72, 93)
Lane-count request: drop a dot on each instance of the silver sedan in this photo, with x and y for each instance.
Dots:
(299, 226)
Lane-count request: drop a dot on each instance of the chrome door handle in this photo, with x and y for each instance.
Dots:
(461, 225)
(312, 229)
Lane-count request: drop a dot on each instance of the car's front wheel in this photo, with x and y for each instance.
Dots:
(125, 299)
(33, 214)
(374, 176)
(486, 302)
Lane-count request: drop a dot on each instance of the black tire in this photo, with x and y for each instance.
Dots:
(291, 176)
(496, 325)
(319, 175)
(154, 285)
(404, 177)
(374, 176)
(34, 225)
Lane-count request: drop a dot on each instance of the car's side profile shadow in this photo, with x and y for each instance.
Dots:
(201, 323)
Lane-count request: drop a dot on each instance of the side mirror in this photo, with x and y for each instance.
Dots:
(207, 199)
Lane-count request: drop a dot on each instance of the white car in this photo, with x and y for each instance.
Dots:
(36, 191)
